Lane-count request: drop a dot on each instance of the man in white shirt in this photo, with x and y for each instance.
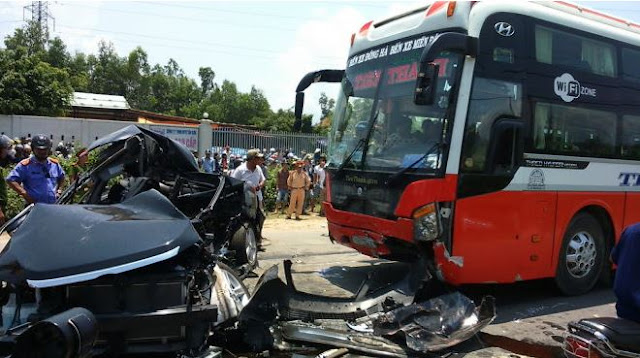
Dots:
(250, 173)
(319, 192)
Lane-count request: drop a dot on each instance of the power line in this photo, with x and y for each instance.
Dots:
(189, 19)
(270, 15)
(200, 50)
(182, 40)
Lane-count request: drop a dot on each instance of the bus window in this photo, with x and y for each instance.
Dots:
(556, 47)
(577, 131)
(630, 64)
(630, 137)
(490, 100)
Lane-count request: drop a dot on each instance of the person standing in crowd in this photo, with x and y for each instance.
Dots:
(216, 161)
(78, 166)
(26, 151)
(208, 163)
(224, 161)
(5, 145)
(298, 183)
(316, 156)
(250, 173)
(308, 194)
(38, 179)
(319, 192)
(283, 189)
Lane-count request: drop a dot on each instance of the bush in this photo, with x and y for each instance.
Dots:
(270, 189)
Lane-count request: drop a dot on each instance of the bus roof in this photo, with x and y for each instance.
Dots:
(440, 16)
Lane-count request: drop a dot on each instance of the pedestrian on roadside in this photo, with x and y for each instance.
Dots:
(208, 163)
(216, 161)
(298, 183)
(78, 166)
(5, 145)
(319, 191)
(250, 173)
(626, 285)
(283, 189)
(308, 194)
(26, 151)
(38, 179)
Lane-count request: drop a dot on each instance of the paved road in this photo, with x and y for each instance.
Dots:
(532, 316)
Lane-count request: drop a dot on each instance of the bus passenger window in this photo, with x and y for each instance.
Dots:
(630, 67)
(561, 48)
(568, 130)
(630, 148)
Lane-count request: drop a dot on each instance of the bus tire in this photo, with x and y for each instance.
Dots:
(580, 261)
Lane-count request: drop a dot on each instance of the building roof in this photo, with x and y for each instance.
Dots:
(95, 100)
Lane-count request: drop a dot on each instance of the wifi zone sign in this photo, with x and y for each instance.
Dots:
(569, 89)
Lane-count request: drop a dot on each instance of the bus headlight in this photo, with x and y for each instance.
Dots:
(426, 224)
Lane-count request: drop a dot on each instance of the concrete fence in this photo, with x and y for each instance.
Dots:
(83, 131)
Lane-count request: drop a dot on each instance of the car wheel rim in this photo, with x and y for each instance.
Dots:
(581, 254)
(251, 246)
(236, 290)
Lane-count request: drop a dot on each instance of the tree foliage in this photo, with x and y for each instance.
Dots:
(38, 76)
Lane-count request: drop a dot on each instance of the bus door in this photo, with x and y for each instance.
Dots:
(504, 220)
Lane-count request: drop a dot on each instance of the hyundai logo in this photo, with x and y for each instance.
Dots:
(504, 28)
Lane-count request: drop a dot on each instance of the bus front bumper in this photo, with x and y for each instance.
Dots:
(375, 237)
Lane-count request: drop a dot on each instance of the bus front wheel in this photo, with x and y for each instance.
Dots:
(581, 256)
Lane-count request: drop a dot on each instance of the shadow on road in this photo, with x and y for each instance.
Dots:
(514, 301)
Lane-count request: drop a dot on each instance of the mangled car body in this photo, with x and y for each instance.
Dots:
(136, 245)
(389, 321)
(133, 160)
(139, 269)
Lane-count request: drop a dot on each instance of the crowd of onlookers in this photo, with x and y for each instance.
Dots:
(300, 181)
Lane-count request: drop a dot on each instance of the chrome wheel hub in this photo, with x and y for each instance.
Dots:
(251, 246)
(581, 254)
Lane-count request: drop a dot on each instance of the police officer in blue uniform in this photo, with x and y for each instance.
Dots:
(38, 179)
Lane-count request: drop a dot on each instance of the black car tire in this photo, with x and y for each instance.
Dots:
(245, 245)
(584, 242)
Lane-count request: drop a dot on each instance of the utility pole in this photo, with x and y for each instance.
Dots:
(40, 15)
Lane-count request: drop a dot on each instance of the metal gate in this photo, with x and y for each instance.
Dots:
(240, 140)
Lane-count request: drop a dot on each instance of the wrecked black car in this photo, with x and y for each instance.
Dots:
(139, 243)
(130, 277)
(134, 160)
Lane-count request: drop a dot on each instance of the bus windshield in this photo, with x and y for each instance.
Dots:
(375, 107)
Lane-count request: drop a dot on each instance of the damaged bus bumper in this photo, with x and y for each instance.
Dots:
(387, 321)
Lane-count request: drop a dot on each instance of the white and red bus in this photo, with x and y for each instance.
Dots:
(500, 140)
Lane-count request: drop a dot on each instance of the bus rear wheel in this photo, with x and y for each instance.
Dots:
(581, 256)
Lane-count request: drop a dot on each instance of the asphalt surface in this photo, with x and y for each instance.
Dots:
(531, 316)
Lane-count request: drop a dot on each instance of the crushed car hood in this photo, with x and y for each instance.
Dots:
(175, 154)
(63, 244)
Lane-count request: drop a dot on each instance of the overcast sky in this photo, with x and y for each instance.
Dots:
(264, 43)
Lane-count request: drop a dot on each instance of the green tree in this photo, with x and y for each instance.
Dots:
(57, 55)
(326, 105)
(206, 79)
(28, 84)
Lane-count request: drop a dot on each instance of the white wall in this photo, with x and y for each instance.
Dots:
(78, 130)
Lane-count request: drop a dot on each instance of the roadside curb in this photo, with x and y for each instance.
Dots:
(519, 347)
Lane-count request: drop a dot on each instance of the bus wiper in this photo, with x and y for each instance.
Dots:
(411, 166)
(347, 160)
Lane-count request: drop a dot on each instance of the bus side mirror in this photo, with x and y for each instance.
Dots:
(298, 111)
(426, 84)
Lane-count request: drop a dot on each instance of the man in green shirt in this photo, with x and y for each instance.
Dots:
(5, 145)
